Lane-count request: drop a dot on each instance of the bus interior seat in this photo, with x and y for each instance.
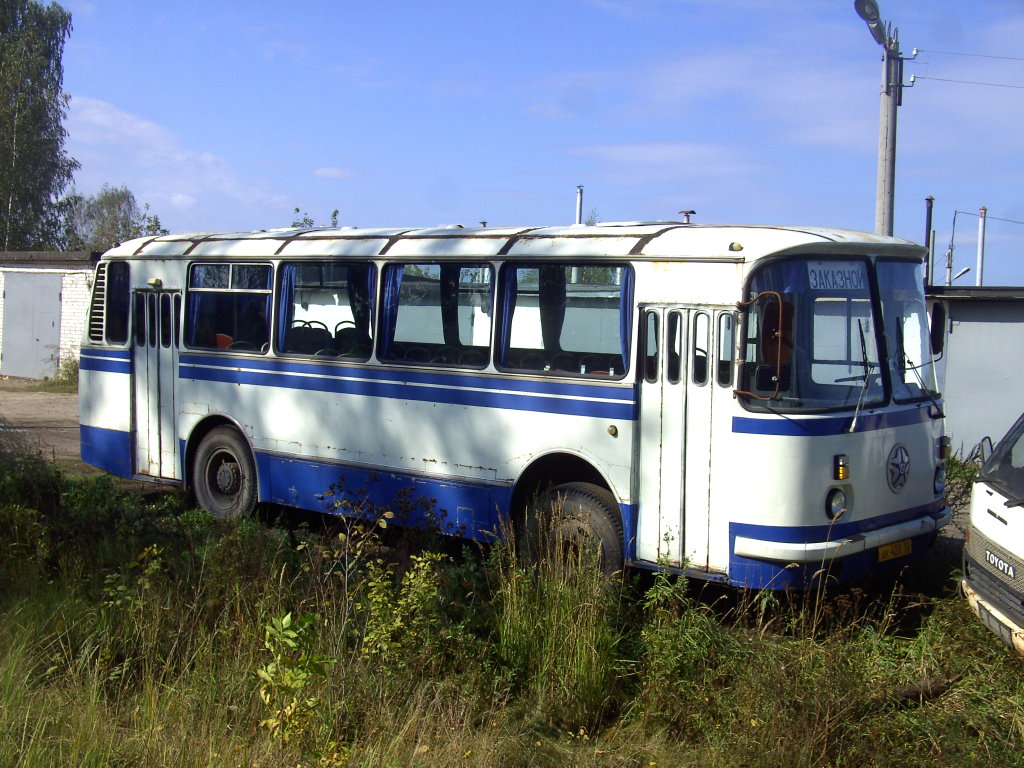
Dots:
(307, 340)
(352, 342)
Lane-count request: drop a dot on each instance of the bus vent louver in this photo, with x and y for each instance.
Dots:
(99, 303)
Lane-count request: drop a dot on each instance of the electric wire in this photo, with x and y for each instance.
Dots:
(978, 55)
(966, 82)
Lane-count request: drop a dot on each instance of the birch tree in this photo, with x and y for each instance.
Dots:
(34, 167)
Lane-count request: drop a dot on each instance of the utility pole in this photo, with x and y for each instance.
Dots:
(892, 97)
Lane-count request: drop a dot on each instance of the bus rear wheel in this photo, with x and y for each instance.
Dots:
(224, 474)
(572, 523)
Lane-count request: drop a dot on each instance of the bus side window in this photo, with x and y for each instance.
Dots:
(228, 307)
(437, 314)
(700, 353)
(111, 304)
(650, 347)
(726, 346)
(674, 348)
(566, 318)
(140, 319)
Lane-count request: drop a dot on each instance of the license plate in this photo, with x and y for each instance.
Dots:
(894, 550)
(990, 621)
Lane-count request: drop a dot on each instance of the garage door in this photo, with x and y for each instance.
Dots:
(31, 342)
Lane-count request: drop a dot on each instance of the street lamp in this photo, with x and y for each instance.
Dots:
(892, 93)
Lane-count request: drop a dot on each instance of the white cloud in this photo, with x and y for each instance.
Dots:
(189, 189)
(333, 172)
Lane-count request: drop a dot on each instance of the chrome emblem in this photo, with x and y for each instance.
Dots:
(897, 468)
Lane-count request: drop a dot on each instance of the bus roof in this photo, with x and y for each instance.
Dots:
(650, 240)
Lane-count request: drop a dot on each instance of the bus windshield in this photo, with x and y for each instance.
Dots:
(813, 337)
(906, 329)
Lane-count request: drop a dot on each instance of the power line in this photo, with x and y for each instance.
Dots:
(978, 55)
(965, 82)
(990, 218)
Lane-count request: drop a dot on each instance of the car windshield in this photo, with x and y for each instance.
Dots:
(1005, 467)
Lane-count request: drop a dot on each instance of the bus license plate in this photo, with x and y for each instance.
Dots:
(894, 550)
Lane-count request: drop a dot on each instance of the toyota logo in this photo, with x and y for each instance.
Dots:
(897, 468)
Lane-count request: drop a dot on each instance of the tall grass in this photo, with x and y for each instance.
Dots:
(142, 632)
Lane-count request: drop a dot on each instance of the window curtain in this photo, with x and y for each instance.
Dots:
(389, 310)
(194, 311)
(551, 298)
(510, 289)
(450, 303)
(361, 287)
(286, 305)
(625, 314)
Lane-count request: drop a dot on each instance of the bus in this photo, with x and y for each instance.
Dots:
(993, 556)
(750, 405)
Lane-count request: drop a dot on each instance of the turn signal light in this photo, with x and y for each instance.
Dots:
(841, 467)
(944, 447)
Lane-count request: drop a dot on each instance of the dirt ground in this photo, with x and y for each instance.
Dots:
(47, 420)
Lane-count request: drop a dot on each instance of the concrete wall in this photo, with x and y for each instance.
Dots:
(983, 363)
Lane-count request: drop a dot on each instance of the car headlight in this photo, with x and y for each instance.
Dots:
(835, 503)
(940, 480)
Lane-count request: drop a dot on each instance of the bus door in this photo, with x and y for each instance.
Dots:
(155, 374)
(675, 435)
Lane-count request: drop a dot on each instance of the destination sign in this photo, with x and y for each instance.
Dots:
(834, 276)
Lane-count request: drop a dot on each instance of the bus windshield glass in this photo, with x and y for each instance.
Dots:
(810, 340)
(907, 338)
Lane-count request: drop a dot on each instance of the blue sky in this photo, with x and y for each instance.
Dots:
(229, 115)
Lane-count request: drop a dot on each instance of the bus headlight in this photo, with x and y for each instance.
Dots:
(940, 480)
(835, 503)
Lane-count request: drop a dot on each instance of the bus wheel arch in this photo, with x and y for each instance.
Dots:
(581, 505)
(222, 469)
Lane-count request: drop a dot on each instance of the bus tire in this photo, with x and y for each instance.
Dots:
(224, 474)
(575, 516)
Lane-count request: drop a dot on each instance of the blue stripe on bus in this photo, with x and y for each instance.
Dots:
(112, 361)
(397, 374)
(450, 391)
(108, 449)
(830, 425)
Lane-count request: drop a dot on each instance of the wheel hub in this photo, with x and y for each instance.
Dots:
(228, 477)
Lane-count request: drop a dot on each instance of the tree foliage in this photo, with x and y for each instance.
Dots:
(34, 168)
(306, 221)
(101, 221)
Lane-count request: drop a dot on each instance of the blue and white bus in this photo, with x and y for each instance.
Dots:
(750, 405)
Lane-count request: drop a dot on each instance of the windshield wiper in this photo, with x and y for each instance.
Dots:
(867, 376)
(920, 382)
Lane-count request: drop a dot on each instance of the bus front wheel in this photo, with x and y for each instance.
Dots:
(572, 522)
(225, 474)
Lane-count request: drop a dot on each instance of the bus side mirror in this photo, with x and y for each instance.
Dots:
(938, 330)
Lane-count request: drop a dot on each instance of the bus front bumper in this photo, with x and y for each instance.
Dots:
(820, 551)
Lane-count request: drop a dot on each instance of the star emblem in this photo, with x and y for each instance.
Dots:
(898, 467)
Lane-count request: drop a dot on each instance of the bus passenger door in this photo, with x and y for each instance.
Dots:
(155, 374)
(675, 430)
